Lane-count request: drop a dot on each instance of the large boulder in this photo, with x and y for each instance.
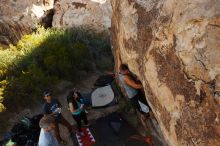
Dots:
(19, 17)
(12, 31)
(173, 47)
(94, 15)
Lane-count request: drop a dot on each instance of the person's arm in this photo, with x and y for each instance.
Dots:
(132, 83)
(71, 107)
(46, 111)
(48, 114)
(58, 102)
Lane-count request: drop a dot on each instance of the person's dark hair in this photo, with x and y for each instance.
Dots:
(45, 121)
(70, 95)
(70, 98)
(124, 67)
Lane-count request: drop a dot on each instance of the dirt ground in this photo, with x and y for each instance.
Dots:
(86, 86)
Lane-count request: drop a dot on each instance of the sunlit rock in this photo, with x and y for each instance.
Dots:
(18, 17)
(38, 11)
(92, 15)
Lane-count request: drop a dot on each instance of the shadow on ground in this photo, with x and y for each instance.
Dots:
(41, 60)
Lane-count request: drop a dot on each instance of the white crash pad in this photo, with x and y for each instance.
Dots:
(102, 96)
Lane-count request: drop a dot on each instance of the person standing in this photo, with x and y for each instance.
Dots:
(46, 138)
(76, 107)
(53, 107)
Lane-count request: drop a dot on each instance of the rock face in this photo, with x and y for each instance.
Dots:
(18, 17)
(173, 47)
(93, 15)
(27, 11)
(11, 31)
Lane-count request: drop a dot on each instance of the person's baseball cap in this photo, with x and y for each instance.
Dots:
(46, 93)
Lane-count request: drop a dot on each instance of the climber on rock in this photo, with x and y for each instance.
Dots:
(53, 107)
(132, 88)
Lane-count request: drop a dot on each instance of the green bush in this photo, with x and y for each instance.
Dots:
(41, 59)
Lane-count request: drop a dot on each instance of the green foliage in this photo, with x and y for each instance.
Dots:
(3, 84)
(41, 59)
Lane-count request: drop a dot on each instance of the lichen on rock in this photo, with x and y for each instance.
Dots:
(173, 48)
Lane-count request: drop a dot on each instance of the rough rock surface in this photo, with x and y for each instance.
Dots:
(11, 31)
(173, 47)
(93, 15)
(18, 17)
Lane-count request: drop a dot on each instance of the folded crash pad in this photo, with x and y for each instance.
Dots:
(104, 80)
(113, 130)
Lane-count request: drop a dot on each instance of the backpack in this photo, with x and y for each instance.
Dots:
(27, 131)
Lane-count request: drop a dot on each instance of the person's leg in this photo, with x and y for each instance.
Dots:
(57, 132)
(142, 98)
(77, 118)
(64, 122)
(135, 104)
(84, 117)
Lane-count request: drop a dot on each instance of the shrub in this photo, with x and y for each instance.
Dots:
(41, 59)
